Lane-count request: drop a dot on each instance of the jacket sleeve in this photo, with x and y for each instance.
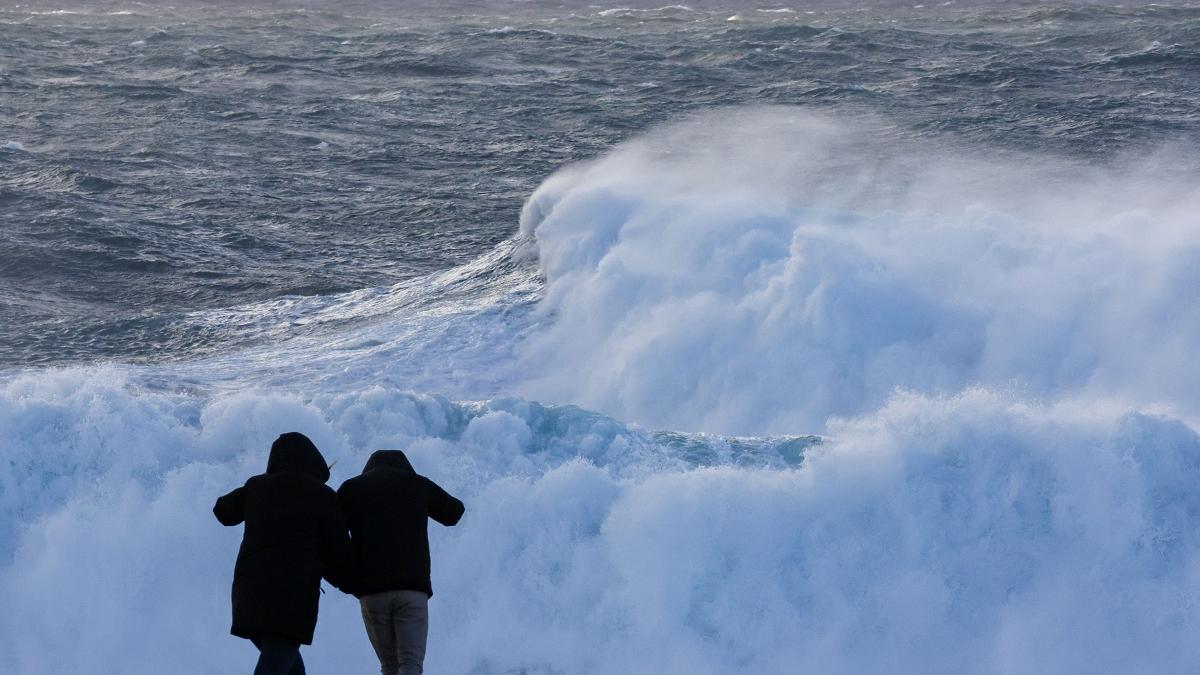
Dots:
(231, 509)
(443, 507)
(338, 563)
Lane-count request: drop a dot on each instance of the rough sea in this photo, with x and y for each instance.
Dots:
(776, 338)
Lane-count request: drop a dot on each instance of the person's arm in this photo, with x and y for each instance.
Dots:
(231, 509)
(338, 563)
(443, 507)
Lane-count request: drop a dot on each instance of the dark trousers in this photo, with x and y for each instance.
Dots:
(278, 657)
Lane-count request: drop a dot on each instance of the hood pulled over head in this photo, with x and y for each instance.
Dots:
(393, 459)
(294, 452)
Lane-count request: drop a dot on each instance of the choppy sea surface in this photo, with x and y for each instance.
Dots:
(165, 160)
(757, 338)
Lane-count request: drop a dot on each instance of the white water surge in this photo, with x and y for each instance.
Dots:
(760, 271)
(995, 351)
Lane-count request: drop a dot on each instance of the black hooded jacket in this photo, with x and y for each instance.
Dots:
(387, 509)
(295, 534)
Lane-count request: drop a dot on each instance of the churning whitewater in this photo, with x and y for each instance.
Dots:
(760, 389)
(1003, 482)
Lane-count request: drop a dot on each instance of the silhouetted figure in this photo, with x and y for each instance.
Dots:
(387, 508)
(295, 534)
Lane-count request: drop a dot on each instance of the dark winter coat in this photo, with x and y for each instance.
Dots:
(295, 534)
(387, 509)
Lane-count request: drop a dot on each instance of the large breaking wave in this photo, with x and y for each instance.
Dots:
(763, 271)
(994, 352)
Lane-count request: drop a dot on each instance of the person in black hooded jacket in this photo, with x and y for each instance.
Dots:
(295, 534)
(388, 509)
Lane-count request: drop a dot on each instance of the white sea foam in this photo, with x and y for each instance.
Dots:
(620, 11)
(995, 351)
(508, 30)
(450, 333)
(974, 533)
(762, 271)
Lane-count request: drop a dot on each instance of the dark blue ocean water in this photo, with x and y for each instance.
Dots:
(756, 339)
(157, 161)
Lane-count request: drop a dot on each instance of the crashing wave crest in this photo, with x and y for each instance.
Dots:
(1004, 481)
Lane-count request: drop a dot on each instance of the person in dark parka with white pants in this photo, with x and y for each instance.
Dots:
(295, 534)
(388, 509)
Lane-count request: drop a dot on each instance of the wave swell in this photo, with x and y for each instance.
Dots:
(990, 349)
